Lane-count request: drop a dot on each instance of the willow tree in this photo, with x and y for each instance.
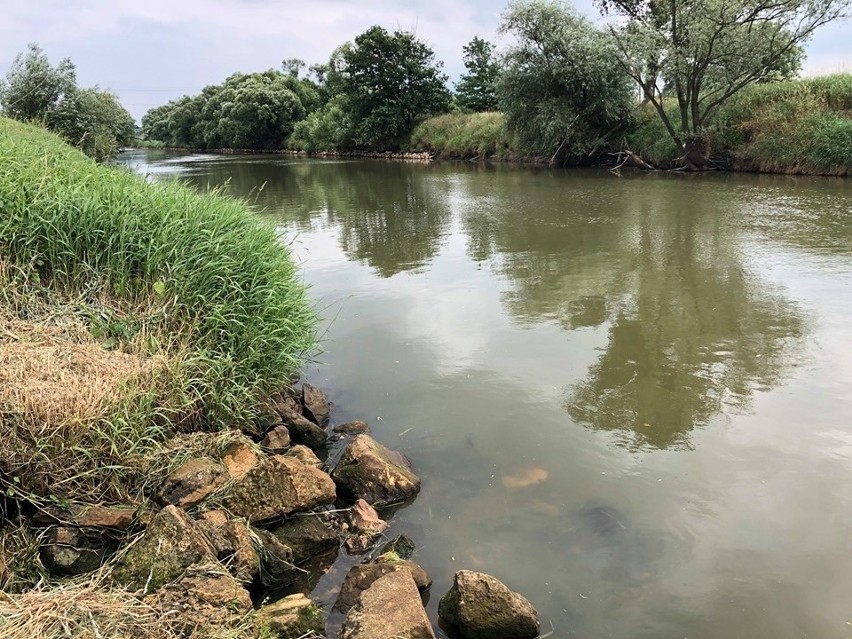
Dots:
(702, 52)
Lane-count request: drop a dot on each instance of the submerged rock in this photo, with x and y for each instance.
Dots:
(291, 617)
(362, 576)
(279, 486)
(72, 551)
(374, 473)
(401, 546)
(191, 483)
(205, 597)
(352, 428)
(171, 543)
(390, 608)
(481, 607)
(306, 535)
(316, 405)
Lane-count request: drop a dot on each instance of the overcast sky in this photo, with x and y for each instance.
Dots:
(151, 51)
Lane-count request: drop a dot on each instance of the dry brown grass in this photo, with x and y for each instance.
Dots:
(90, 610)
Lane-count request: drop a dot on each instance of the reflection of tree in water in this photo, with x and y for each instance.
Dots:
(391, 215)
(695, 333)
(691, 331)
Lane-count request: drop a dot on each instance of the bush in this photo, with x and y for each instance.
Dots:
(200, 295)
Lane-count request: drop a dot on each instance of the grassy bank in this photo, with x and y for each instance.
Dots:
(802, 126)
(129, 313)
(464, 136)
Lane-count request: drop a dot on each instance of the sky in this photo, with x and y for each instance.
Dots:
(152, 51)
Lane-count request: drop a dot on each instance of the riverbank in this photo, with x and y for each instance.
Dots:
(162, 475)
(796, 127)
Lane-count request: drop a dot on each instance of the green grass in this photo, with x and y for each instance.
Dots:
(799, 126)
(154, 270)
(463, 136)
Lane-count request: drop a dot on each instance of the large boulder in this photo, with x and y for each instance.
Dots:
(239, 458)
(479, 606)
(292, 617)
(317, 408)
(205, 597)
(304, 455)
(113, 518)
(374, 473)
(171, 543)
(362, 576)
(279, 486)
(191, 483)
(306, 535)
(73, 551)
(390, 608)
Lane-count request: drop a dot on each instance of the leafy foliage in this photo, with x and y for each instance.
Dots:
(705, 51)
(463, 135)
(561, 89)
(390, 80)
(247, 111)
(326, 129)
(90, 119)
(477, 87)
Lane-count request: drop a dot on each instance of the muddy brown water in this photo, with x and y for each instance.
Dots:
(628, 398)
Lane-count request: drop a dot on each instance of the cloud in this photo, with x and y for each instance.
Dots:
(152, 51)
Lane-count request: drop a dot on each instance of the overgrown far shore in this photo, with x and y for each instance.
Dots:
(163, 472)
(798, 127)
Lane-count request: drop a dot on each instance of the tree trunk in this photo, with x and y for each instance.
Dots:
(696, 152)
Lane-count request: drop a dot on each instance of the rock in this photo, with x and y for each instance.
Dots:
(206, 597)
(307, 536)
(316, 405)
(364, 517)
(352, 428)
(291, 617)
(276, 562)
(116, 518)
(73, 551)
(171, 544)
(362, 576)
(191, 483)
(304, 455)
(374, 473)
(232, 545)
(304, 431)
(388, 609)
(401, 546)
(278, 486)
(524, 478)
(239, 458)
(277, 440)
(288, 404)
(481, 607)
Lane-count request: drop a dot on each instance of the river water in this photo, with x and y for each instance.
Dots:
(629, 398)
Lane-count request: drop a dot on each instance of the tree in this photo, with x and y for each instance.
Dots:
(562, 89)
(706, 51)
(477, 88)
(94, 121)
(390, 81)
(33, 87)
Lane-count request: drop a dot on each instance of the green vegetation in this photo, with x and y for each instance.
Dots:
(463, 136)
(90, 119)
(477, 87)
(177, 311)
(802, 126)
(702, 53)
(561, 89)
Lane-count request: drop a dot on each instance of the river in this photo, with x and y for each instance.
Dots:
(629, 398)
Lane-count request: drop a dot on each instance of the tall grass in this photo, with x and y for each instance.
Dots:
(463, 136)
(799, 126)
(155, 270)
